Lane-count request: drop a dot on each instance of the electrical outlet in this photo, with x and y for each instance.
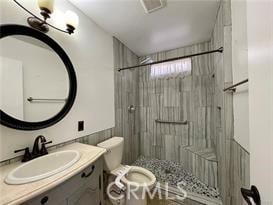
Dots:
(80, 126)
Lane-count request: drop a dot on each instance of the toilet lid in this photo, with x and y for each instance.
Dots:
(139, 176)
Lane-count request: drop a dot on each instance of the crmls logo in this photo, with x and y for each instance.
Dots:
(138, 192)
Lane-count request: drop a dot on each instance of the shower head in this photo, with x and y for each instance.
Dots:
(146, 60)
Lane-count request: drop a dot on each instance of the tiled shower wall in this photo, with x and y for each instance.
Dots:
(233, 160)
(126, 94)
(186, 97)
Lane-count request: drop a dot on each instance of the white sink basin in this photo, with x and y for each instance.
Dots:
(43, 167)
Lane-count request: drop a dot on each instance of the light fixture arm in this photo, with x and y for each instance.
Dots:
(43, 21)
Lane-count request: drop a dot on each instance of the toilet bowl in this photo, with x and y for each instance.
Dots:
(135, 181)
(138, 176)
(138, 182)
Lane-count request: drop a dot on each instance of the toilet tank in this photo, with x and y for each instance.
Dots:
(113, 156)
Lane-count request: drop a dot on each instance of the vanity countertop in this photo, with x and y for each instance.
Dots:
(16, 194)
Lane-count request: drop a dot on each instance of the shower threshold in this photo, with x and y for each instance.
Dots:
(169, 174)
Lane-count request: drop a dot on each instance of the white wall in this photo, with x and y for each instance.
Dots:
(240, 72)
(91, 51)
(260, 64)
(11, 99)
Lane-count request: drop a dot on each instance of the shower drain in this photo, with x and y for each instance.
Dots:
(168, 171)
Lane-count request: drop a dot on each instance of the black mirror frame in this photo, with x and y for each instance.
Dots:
(9, 121)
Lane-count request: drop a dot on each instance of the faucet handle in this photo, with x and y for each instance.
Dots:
(49, 142)
(20, 150)
(27, 155)
(43, 150)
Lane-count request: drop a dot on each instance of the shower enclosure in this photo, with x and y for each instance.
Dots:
(171, 128)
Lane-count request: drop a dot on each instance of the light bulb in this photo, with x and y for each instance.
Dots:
(71, 19)
(46, 5)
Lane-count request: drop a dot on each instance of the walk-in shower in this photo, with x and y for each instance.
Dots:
(173, 130)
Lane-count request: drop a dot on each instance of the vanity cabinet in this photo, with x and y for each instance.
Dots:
(85, 188)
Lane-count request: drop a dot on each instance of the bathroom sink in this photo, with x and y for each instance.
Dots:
(43, 167)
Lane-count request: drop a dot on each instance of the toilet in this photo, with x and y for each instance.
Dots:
(134, 181)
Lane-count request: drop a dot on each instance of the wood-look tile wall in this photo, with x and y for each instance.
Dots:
(126, 94)
(239, 172)
(185, 97)
(232, 159)
(176, 99)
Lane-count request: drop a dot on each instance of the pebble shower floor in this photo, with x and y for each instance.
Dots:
(172, 173)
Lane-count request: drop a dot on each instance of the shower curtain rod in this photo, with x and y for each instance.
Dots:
(219, 50)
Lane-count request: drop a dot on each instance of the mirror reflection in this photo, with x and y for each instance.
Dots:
(34, 81)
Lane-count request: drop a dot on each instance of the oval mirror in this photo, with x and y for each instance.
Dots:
(38, 82)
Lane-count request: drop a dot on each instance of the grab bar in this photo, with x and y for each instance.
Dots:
(171, 122)
(31, 99)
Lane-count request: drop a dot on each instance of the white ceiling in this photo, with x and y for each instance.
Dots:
(180, 23)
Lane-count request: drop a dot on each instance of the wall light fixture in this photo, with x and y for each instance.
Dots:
(47, 8)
